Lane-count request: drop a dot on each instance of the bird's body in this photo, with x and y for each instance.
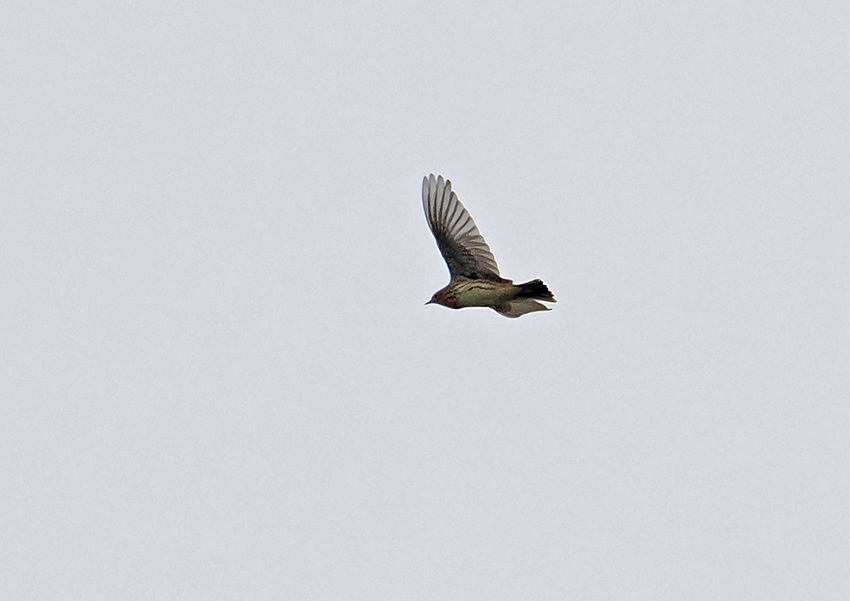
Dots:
(475, 279)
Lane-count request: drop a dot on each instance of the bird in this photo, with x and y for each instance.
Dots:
(475, 279)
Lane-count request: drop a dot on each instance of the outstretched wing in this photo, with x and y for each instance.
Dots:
(464, 249)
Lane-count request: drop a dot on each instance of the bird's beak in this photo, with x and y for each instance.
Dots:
(430, 302)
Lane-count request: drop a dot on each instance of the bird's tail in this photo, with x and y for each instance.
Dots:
(535, 289)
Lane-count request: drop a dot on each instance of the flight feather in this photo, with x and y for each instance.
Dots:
(461, 244)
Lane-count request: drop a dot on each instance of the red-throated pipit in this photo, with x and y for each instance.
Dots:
(475, 275)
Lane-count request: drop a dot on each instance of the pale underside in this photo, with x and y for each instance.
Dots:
(521, 306)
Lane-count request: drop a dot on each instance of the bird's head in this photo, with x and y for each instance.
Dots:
(444, 297)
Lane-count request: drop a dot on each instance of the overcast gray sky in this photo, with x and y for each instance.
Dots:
(219, 380)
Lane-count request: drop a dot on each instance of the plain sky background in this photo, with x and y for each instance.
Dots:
(218, 377)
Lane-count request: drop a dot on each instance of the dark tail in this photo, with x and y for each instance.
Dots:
(535, 289)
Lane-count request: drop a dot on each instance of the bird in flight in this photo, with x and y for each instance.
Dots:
(475, 276)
